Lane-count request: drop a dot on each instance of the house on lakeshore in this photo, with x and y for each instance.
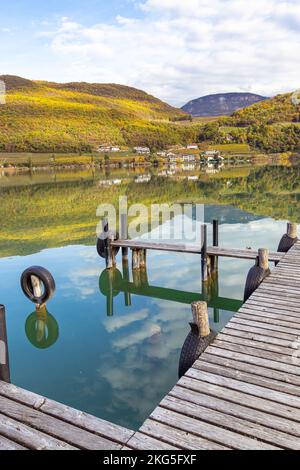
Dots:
(108, 148)
(143, 179)
(142, 150)
(161, 154)
(172, 157)
(188, 158)
(192, 147)
(212, 155)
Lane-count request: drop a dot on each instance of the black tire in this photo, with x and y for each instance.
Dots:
(192, 349)
(255, 277)
(101, 243)
(46, 279)
(52, 331)
(286, 243)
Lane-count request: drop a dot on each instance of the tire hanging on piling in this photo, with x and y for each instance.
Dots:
(286, 243)
(102, 243)
(45, 278)
(255, 277)
(192, 348)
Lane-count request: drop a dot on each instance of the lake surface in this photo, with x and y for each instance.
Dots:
(117, 362)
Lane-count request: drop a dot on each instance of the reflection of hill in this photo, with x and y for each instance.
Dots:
(228, 215)
(52, 215)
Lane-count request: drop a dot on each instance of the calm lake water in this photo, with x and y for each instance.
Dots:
(119, 366)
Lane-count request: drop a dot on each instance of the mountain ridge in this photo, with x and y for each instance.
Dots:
(221, 104)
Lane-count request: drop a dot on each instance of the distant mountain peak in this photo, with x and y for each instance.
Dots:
(221, 104)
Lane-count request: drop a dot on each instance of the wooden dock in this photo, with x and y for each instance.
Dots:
(244, 391)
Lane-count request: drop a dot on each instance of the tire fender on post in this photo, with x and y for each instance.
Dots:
(46, 280)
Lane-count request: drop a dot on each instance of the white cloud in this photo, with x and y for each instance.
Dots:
(179, 50)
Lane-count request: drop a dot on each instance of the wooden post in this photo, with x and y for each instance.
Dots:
(292, 230)
(143, 257)
(127, 295)
(263, 258)
(135, 259)
(215, 233)
(214, 260)
(4, 358)
(110, 296)
(200, 317)
(124, 234)
(204, 253)
(37, 288)
(110, 259)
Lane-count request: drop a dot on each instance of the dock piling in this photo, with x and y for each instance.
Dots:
(204, 257)
(215, 259)
(124, 234)
(4, 357)
(110, 259)
(200, 318)
(135, 259)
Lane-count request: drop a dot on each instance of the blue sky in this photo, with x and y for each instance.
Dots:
(175, 49)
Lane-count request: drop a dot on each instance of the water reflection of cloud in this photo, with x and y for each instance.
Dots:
(117, 322)
(148, 330)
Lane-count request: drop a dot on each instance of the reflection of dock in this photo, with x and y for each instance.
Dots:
(112, 283)
(243, 391)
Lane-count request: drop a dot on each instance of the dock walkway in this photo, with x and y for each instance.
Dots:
(244, 391)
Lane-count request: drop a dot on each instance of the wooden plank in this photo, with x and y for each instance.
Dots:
(242, 398)
(55, 427)
(231, 422)
(208, 431)
(239, 410)
(287, 383)
(7, 444)
(209, 363)
(182, 439)
(141, 441)
(30, 437)
(290, 403)
(255, 342)
(264, 317)
(228, 350)
(263, 325)
(78, 418)
(258, 353)
(275, 337)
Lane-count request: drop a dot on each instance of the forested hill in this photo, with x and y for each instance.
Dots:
(280, 109)
(46, 116)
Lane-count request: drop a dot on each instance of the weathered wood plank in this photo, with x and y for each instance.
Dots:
(7, 444)
(290, 383)
(30, 437)
(289, 403)
(231, 370)
(233, 423)
(207, 431)
(55, 427)
(239, 410)
(181, 439)
(57, 410)
(141, 441)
